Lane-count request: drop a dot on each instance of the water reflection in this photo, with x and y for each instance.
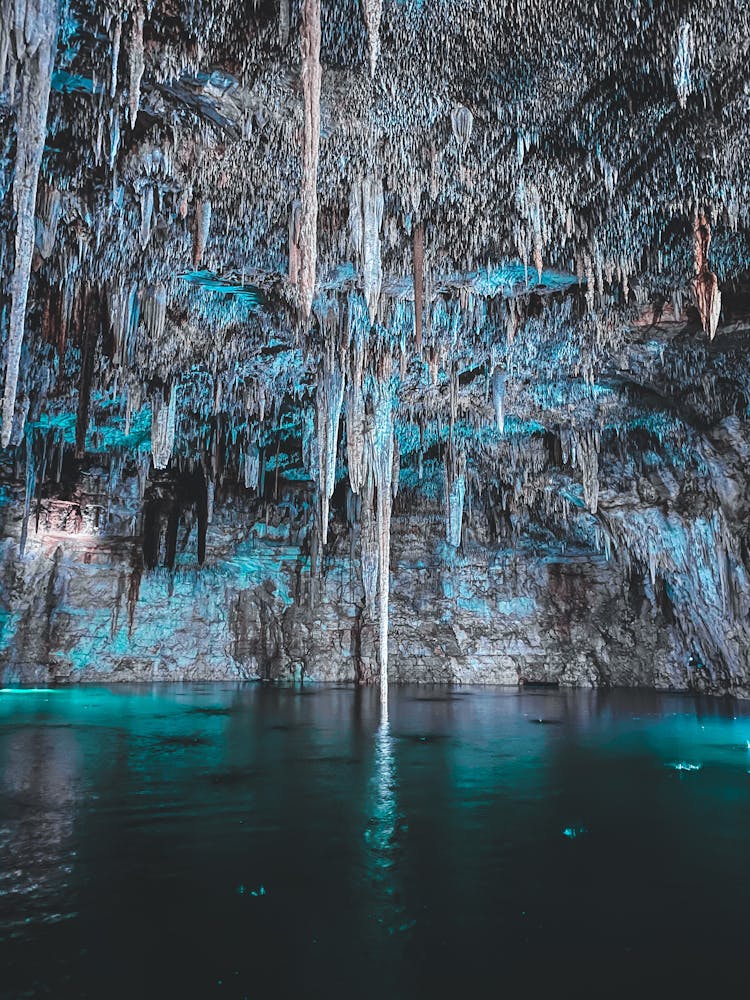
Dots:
(154, 815)
(384, 832)
(39, 781)
(381, 829)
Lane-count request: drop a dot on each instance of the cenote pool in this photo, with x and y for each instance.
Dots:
(248, 841)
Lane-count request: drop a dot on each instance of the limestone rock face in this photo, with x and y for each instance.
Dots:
(80, 607)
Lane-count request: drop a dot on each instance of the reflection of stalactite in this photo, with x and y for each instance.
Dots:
(311, 80)
(36, 60)
(383, 832)
(705, 283)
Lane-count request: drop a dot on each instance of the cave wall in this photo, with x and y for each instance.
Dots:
(81, 606)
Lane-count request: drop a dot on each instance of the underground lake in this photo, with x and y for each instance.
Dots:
(256, 841)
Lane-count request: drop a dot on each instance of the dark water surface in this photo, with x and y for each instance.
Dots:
(221, 841)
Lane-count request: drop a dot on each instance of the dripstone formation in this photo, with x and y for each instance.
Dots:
(366, 340)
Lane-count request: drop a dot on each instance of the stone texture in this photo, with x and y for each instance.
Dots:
(79, 607)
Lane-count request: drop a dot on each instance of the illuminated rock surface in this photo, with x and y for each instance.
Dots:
(339, 337)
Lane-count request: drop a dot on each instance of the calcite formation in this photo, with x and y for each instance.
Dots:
(378, 340)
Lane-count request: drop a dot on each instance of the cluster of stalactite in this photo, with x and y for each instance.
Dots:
(238, 147)
(249, 222)
(27, 49)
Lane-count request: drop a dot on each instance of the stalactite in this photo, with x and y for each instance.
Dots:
(124, 311)
(163, 419)
(588, 462)
(380, 460)
(252, 467)
(284, 17)
(35, 53)
(114, 137)
(309, 445)
(683, 60)
(137, 63)
(536, 229)
(433, 366)
(210, 498)
(147, 213)
(153, 309)
(455, 495)
(355, 415)
(462, 123)
(418, 269)
(311, 80)
(170, 542)
(373, 12)
(295, 222)
(30, 488)
(329, 400)
(46, 445)
(372, 218)
(498, 398)
(116, 42)
(202, 512)
(202, 229)
(705, 283)
(90, 329)
(47, 220)
(369, 543)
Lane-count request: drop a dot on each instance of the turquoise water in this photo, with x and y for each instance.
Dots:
(274, 842)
